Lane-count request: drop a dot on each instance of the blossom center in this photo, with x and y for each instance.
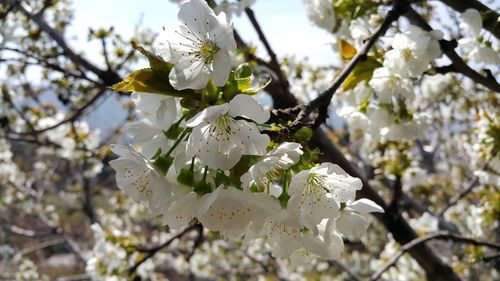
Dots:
(407, 53)
(207, 50)
(221, 129)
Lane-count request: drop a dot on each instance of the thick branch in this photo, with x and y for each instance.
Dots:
(402, 232)
(442, 235)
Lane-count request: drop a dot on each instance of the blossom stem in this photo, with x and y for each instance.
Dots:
(177, 142)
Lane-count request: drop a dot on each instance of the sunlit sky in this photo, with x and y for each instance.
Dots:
(284, 22)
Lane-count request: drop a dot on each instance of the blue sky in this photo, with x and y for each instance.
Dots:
(284, 22)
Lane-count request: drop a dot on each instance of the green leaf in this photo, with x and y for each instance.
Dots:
(244, 70)
(174, 131)
(363, 71)
(202, 188)
(163, 163)
(243, 78)
(153, 79)
(303, 134)
(148, 81)
(156, 63)
(186, 177)
(221, 178)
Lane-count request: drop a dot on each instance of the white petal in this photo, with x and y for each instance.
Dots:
(248, 107)
(209, 114)
(217, 153)
(472, 22)
(194, 14)
(222, 67)
(251, 140)
(192, 76)
(352, 225)
(365, 206)
(141, 131)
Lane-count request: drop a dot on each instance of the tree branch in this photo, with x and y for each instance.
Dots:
(470, 186)
(323, 100)
(441, 235)
(152, 251)
(448, 48)
(74, 115)
(489, 16)
(108, 77)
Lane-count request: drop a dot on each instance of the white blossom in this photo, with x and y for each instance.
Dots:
(412, 51)
(388, 83)
(161, 110)
(352, 221)
(230, 210)
(220, 140)
(321, 13)
(135, 175)
(316, 194)
(276, 160)
(200, 48)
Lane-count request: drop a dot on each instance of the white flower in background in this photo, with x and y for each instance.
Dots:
(65, 137)
(412, 51)
(435, 85)
(348, 102)
(28, 271)
(388, 83)
(413, 176)
(475, 47)
(233, 7)
(230, 210)
(161, 110)
(321, 13)
(135, 175)
(271, 164)
(360, 29)
(220, 140)
(200, 49)
(316, 194)
(353, 222)
(106, 259)
(471, 22)
(407, 130)
(425, 223)
(494, 163)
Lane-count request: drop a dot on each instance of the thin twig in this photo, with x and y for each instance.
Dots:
(152, 251)
(74, 116)
(490, 17)
(448, 47)
(470, 186)
(323, 99)
(441, 235)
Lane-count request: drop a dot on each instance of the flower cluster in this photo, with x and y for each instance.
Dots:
(207, 158)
